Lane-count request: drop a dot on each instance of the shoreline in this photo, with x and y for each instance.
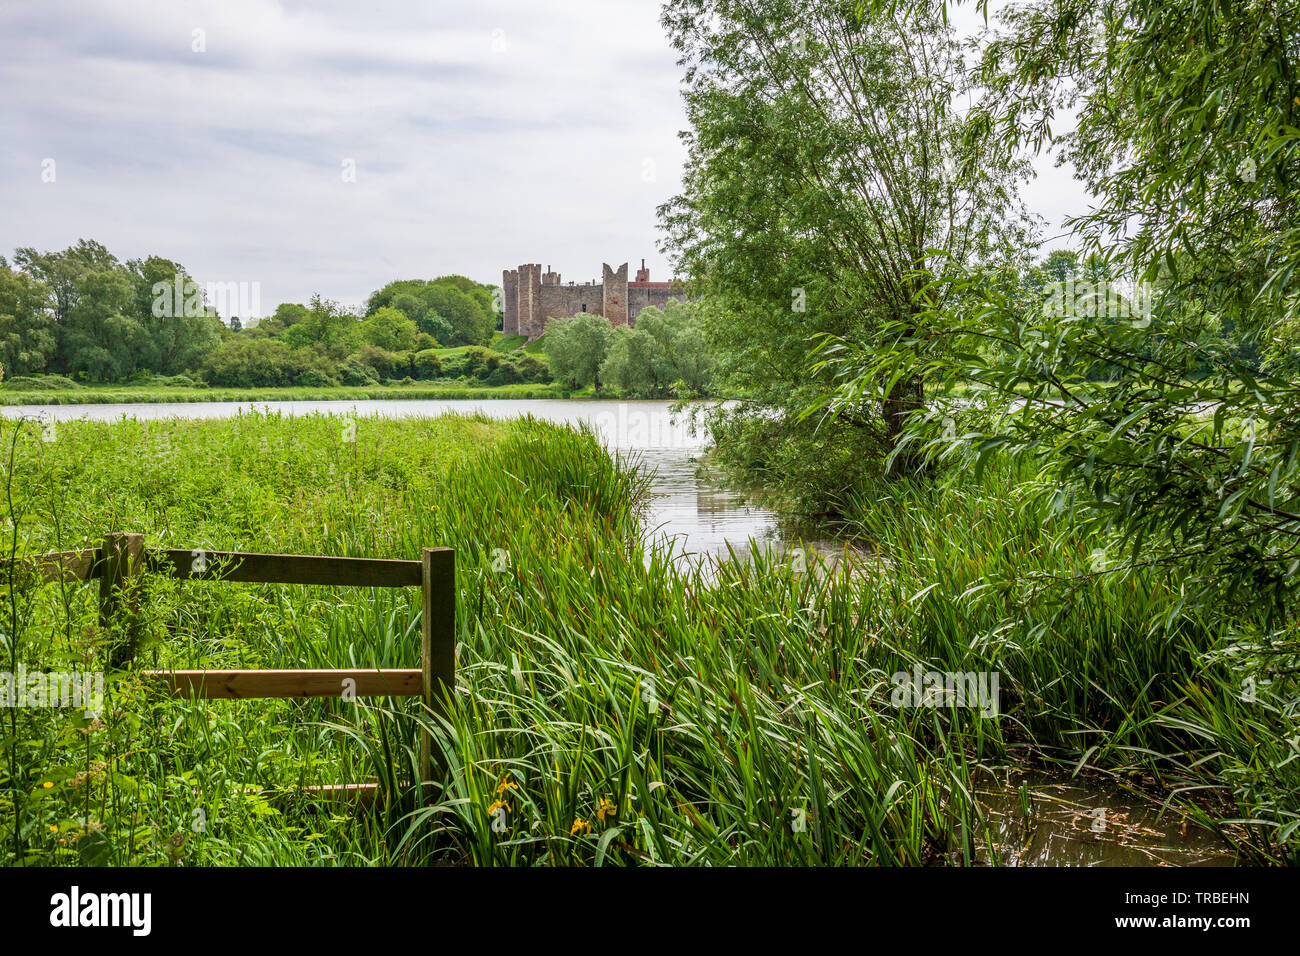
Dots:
(290, 394)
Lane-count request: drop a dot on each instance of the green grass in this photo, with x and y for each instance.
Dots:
(109, 394)
(507, 343)
(610, 708)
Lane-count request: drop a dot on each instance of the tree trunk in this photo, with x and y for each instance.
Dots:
(906, 397)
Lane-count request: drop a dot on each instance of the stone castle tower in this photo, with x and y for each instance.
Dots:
(532, 296)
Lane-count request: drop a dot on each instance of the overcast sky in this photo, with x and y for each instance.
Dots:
(482, 135)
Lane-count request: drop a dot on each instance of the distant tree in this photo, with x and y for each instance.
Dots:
(455, 310)
(28, 335)
(664, 354)
(408, 303)
(401, 288)
(469, 320)
(390, 329)
(632, 365)
(427, 364)
(386, 363)
(576, 349)
(353, 371)
(60, 271)
(437, 328)
(484, 295)
(245, 361)
(179, 340)
(286, 314)
(327, 325)
(100, 338)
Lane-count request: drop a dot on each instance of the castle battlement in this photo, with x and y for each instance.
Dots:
(532, 296)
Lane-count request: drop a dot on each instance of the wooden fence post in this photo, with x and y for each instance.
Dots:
(437, 648)
(123, 560)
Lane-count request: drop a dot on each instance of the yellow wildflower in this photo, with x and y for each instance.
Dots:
(605, 809)
(579, 824)
(498, 805)
(47, 784)
(506, 785)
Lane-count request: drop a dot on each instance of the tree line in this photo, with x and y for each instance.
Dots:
(84, 315)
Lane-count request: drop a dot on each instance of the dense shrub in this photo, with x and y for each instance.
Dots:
(266, 363)
(353, 371)
(468, 363)
(39, 382)
(426, 364)
(385, 363)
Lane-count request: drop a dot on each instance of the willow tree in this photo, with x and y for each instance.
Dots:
(1187, 133)
(836, 179)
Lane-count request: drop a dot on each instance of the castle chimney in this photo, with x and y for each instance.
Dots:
(643, 274)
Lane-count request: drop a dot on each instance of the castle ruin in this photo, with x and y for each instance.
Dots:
(532, 296)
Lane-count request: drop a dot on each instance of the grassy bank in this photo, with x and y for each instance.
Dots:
(112, 394)
(609, 709)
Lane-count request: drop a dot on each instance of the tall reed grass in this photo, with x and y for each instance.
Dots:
(613, 706)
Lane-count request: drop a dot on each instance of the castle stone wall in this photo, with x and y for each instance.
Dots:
(530, 297)
(614, 306)
(563, 301)
(510, 302)
(642, 295)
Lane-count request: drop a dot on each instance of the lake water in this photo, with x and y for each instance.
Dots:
(1073, 823)
(698, 515)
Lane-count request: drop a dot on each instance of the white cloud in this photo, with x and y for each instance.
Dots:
(483, 135)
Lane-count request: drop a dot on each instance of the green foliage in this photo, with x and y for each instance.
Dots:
(28, 335)
(427, 364)
(246, 362)
(83, 313)
(836, 183)
(353, 371)
(328, 327)
(469, 321)
(100, 339)
(575, 349)
(180, 338)
(1191, 458)
(602, 693)
(453, 310)
(664, 355)
(388, 328)
(385, 364)
(40, 382)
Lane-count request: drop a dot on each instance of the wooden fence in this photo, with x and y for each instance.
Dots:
(123, 558)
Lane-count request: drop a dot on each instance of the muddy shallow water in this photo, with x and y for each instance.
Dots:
(1039, 819)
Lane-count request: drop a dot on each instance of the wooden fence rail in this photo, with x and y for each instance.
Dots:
(123, 557)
